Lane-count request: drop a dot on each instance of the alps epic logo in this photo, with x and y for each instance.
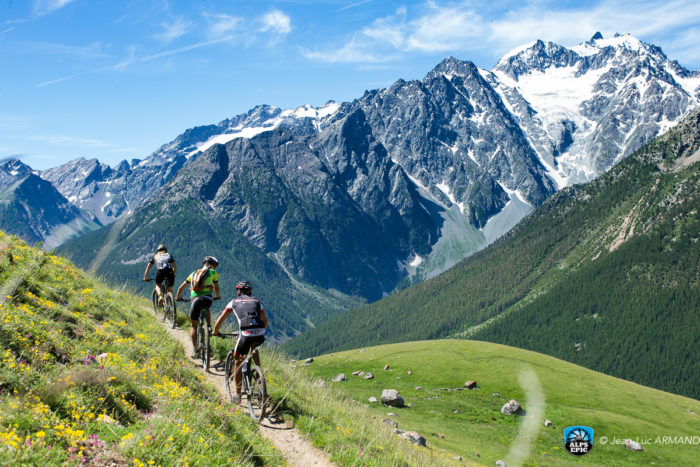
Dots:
(578, 440)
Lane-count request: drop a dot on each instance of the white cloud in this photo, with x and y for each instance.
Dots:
(44, 7)
(221, 24)
(173, 30)
(276, 22)
(460, 27)
(353, 5)
(351, 52)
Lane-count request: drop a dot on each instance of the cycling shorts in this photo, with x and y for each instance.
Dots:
(247, 343)
(165, 277)
(198, 305)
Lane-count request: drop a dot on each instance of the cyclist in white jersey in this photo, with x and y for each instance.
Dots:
(252, 323)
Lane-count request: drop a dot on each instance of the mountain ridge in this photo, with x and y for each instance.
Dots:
(593, 276)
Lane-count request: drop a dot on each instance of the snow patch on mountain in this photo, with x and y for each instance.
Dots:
(285, 117)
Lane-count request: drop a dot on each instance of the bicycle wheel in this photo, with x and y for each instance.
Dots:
(228, 377)
(170, 311)
(204, 345)
(154, 300)
(256, 392)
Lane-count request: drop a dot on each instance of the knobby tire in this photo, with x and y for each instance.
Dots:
(170, 311)
(228, 375)
(204, 345)
(154, 300)
(256, 392)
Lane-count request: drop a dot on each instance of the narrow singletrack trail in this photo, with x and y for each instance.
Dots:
(296, 449)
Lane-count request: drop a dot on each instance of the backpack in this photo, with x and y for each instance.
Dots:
(198, 278)
(247, 311)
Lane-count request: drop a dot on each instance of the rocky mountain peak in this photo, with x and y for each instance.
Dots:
(453, 67)
(13, 169)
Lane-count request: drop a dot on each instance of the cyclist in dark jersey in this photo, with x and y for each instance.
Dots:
(201, 299)
(251, 321)
(165, 271)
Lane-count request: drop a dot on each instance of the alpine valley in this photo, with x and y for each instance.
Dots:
(323, 208)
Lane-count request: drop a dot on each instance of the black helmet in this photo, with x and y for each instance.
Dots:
(244, 285)
(211, 260)
(161, 247)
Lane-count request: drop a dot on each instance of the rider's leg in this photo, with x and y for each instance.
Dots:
(193, 331)
(159, 292)
(256, 356)
(238, 373)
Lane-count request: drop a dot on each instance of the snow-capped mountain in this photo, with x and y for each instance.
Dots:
(32, 208)
(584, 108)
(108, 192)
(476, 149)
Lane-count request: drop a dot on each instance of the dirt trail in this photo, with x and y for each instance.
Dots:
(296, 449)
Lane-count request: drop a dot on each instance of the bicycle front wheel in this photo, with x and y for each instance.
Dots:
(228, 377)
(204, 346)
(170, 312)
(154, 300)
(256, 393)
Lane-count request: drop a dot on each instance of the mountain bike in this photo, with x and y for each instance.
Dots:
(253, 384)
(167, 309)
(203, 349)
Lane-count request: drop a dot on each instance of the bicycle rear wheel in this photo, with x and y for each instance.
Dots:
(204, 346)
(256, 392)
(228, 377)
(170, 311)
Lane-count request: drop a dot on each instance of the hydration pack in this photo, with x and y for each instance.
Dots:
(198, 278)
(248, 313)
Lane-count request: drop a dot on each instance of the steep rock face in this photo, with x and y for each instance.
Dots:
(33, 209)
(453, 135)
(584, 108)
(315, 203)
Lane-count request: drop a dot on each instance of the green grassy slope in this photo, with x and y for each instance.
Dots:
(620, 255)
(88, 376)
(471, 422)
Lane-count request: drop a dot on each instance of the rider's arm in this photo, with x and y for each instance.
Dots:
(217, 293)
(148, 270)
(180, 289)
(174, 268)
(220, 320)
(264, 318)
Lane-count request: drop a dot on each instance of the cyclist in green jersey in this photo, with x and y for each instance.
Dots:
(201, 281)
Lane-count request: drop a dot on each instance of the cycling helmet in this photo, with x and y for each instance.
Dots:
(211, 260)
(244, 285)
(161, 247)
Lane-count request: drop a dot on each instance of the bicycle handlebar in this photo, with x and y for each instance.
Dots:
(189, 300)
(223, 335)
(148, 279)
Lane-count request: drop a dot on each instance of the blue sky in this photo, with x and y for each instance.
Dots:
(115, 79)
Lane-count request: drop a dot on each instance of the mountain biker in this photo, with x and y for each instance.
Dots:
(165, 271)
(252, 323)
(201, 298)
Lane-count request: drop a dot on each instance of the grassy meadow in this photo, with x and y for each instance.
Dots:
(468, 423)
(88, 376)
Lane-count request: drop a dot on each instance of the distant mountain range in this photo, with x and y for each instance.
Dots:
(372, 195)
(32, 208)
(605, 275)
